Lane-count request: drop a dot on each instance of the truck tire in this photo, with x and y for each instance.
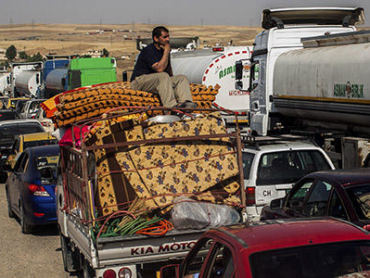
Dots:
(69, 257)
(25, 228)
(87, 270)
(10, 211)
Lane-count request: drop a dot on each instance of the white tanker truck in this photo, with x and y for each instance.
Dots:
(5, 84)
(320, 87)
(216, 66)
(26, 79)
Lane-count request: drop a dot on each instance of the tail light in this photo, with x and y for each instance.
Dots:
(109, 273)
(38, 214)
(251, 196)
(217, 49)
(124, 273)
(37, 190)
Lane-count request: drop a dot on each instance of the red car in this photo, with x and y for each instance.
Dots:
(324, 247)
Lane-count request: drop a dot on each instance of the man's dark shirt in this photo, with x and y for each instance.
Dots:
(147, 58)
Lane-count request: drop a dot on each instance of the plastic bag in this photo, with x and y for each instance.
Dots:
(190, 214)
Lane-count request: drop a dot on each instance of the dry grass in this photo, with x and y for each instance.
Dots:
(66, 39)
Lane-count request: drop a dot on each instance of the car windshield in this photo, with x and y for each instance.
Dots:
(8, 132)
(289, 166)
(247, 164)
(46, 161)
(360, 196)
(323, 260)
(39, 143)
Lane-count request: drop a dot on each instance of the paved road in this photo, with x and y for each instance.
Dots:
(34, 255)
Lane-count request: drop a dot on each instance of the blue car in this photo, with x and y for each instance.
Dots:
(30, 187)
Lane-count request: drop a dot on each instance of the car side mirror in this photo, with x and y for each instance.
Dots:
(170, 271)
(277, 203)
(47, 173)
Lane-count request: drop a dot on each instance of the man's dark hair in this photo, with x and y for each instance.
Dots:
(157, 31)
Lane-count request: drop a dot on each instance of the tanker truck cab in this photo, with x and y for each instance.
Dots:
(272, 164)
(284, 29)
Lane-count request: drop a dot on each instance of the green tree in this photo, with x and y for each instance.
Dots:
(23, 55)
(105, 52)
(35, 58)
(5, 64)
(11, 53)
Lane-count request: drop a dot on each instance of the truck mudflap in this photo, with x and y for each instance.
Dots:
(132, 249)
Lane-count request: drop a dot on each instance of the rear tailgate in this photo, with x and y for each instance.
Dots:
(133, 249)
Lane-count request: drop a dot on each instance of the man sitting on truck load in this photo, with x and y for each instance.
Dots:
(153, 73)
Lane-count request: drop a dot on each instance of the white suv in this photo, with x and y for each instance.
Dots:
(272, 164)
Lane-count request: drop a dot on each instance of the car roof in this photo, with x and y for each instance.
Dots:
(19, 121)
(281, 146)
(18, 98)
(37, 136)
(293, 232)
(344, 177)
(36, 100)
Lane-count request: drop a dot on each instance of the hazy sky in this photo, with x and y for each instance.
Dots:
(180, 12)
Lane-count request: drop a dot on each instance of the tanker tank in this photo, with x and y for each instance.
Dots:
(327, 83)
(211, 68)
(27, 83)
(57, 80)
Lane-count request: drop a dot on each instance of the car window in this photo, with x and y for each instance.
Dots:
(40, 143)
(294, 165)
(34, 106)
(24, 108)
(222, 263)
(336, 207)
(247, 163)
(317, 202)
(44, 161)
(298, 194)
(19, 162)
(360, 197)
(23, 164)
(197, 257)
(16, 145)
(30, 128)
(320, 260)
(8, 132)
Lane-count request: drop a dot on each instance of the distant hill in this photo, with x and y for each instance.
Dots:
(119, 40)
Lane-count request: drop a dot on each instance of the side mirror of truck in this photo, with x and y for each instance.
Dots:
(238, 75)
(238, 70)
(170, 271)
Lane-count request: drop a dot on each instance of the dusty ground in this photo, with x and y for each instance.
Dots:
(33, 255)
(67, 39)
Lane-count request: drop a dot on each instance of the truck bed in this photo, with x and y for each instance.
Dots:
(131, 249)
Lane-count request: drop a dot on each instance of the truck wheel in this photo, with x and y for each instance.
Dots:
(67, 254)
(10, 211)
(25, 228)
(87, 270)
